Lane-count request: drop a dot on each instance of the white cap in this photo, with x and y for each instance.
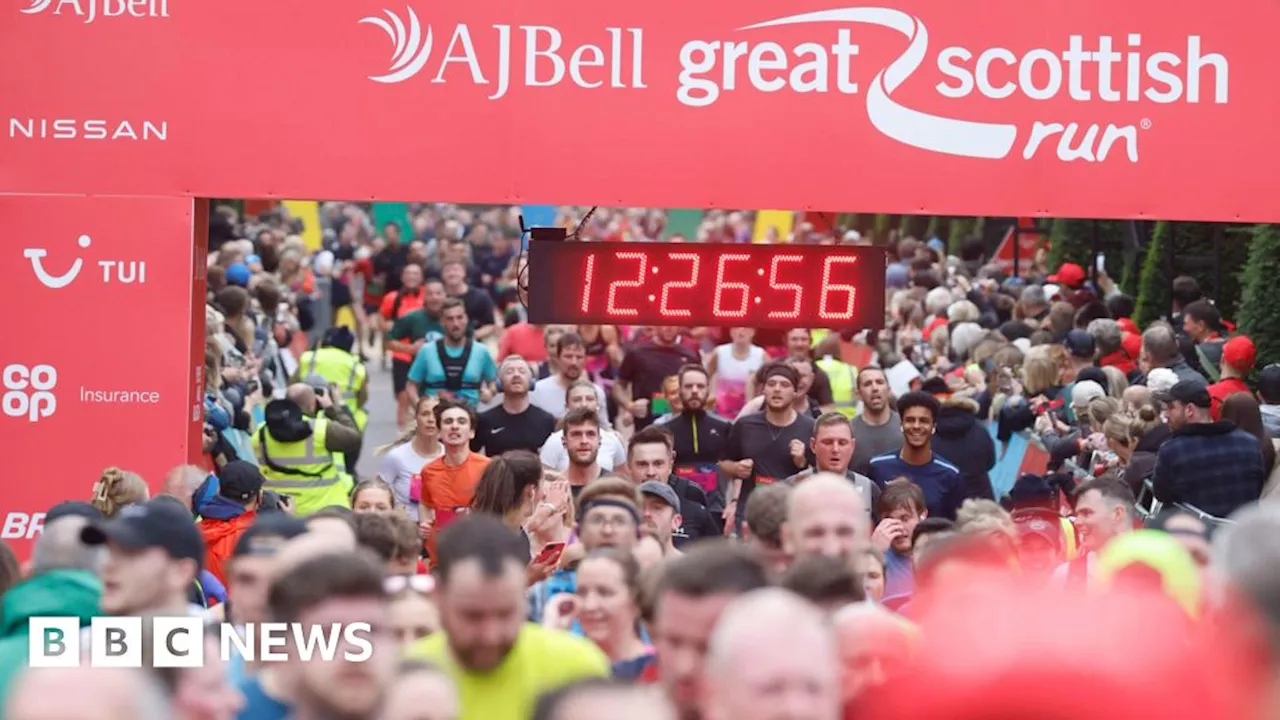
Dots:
(1161, 380)
(1086, 391)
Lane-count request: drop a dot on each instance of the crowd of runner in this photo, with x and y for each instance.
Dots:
(690, 523)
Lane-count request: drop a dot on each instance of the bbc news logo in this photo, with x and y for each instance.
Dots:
(28, 391)
(180, 642)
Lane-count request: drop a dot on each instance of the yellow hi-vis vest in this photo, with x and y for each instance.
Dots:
(303, 470)
(342, 369)
(844, 385)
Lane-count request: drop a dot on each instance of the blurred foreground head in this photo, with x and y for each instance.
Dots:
(1010, 651)
(86, 693)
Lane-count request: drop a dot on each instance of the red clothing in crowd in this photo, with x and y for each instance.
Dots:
(220, 538)
(934, 324)
(524, 340)
(1119, 360)
(1222, 390)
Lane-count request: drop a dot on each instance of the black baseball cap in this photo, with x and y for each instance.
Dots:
(1079, 343)
(1269, 384)
(935, 386)
(161, 524)
(1191, 392)
(267, 534)
(240, 481)
(661, 490)
(72, 508)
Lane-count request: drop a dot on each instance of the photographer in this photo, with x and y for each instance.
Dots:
(293, 462)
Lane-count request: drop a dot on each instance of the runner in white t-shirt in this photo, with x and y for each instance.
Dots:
(401, 463)
(732, 367)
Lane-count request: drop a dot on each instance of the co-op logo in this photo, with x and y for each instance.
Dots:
(28, 391)
(113, 271)
(1101, 70)
(91, 10)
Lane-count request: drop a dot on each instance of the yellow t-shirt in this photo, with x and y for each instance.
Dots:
(542, 660)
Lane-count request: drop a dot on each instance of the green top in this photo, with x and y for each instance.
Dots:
(57, 593)
(414, 326)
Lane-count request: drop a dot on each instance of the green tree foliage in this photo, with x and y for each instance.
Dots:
(961, 228)
(1072, 240)
(1153, 285)
(1192, 247)
(916, 226)
(1260, 303)
(885, 224)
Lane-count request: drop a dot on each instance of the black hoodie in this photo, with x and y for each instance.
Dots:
(1142, 463)
(963, 442)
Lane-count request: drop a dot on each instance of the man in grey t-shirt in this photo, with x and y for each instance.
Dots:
(833, 448)
(877, 429)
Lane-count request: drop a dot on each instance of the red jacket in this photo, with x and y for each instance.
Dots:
(1119, 360)
(1222, 390)
(220, 538)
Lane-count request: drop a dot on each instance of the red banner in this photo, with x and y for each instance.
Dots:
(1004, 107)
(100, 360)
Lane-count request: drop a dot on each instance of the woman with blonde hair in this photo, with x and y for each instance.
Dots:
(1135, 438)
(118, 488)
(403, 460)
(1039, 391)
(978, 515)
(1117, 382)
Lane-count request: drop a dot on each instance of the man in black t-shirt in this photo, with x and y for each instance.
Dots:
(699, 436)
(765, 448)
(389, 262)
(644, 368)
(478, 303)
(516, 424)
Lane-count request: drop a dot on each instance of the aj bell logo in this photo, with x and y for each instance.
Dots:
(90, 10)
(28, 391)
(1102, 71)
(546, 62)
(411, 51)
(126, 272)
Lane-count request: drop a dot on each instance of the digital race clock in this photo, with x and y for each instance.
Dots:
(762, 286)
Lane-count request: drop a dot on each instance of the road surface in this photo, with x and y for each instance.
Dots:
(382, 418)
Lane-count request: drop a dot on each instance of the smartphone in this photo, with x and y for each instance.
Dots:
(1100, 262)
(549, 553)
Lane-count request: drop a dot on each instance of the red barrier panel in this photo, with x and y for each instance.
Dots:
(100, 364)
(1001, 107)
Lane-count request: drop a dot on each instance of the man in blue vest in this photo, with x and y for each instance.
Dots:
(455, 366)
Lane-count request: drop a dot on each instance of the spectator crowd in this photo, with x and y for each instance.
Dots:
(1010, 500)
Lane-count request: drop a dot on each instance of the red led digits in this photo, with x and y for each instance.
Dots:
(588, 281)
(695, 262)
(765, 286)
(721, 286)
(829, 287)
(796, 290)
(611, 306)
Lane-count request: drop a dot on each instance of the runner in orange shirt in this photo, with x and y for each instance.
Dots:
(449, 481)
(395, 305)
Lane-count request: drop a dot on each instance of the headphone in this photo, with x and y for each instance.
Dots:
(533, 373)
